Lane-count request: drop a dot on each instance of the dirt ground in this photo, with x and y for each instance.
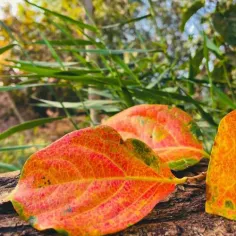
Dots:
(11, 115)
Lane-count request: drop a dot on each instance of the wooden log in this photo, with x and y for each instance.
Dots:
(181, 214)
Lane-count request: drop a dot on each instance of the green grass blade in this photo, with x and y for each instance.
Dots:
(90, 104)
(126, 68)
(65, 42)
(52, 50)
(111, 51)
(8, 167)
(23, 147)
(18, 87)
(80, 24)
(27, 125)
(127, 22)
(6, 48)
(223, 98)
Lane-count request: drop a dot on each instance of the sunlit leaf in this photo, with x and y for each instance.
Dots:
(221, 174)
(170, 132)
(91, 182)
(212, 46)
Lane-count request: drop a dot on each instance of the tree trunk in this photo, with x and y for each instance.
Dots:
(181, 214)
(94, 114)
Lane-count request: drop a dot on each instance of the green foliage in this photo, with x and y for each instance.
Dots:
(190, 11)
(225, 24)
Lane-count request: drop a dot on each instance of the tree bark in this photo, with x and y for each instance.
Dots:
(94, 114)
(181, 214)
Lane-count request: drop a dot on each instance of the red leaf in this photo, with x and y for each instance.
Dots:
(168, 131)
(90, 182)
(221, 174)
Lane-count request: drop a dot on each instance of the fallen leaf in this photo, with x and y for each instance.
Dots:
(169, 131)
(91, 182)
(221, 174)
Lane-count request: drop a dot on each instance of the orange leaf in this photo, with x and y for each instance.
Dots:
(221, 174)
(90, 182)
(170, 132)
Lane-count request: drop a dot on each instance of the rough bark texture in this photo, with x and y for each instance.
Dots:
(181, 214)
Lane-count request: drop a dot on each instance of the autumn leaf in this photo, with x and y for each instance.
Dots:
(169, 131)
(221, 174)
(91, 182)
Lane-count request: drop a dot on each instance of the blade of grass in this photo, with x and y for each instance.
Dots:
(223, 98)
(67, 113)
(111, 51)
(65, 42)
(80, 24)
(8, 167)
(23, 147)
(123, 65)
(95, 104)
(52, 50)
(126, 22)
(6, 48)
(18, 87)
(206, 55)
(27, 125)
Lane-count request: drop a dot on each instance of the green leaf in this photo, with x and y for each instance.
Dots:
(127, 22)
(23, 147)
(66, 18)
(126, 68)
(6, 48)
(223, 98)
(196, 5)
(110, 51)
(65, 42)
(89, 104)
(27, 125)
(225, 24)
(52, 50)
(212, 46)
(16, 87)
(8, 167)
(196, 62)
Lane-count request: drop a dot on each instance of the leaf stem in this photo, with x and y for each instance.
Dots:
(196, 178)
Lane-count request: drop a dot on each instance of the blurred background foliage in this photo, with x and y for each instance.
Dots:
(60, 61)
